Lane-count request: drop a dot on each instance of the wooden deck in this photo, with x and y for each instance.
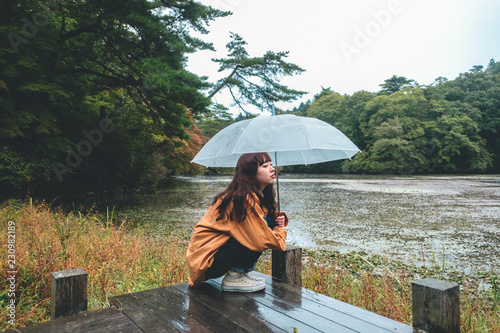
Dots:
(105, 320)
(278, 308)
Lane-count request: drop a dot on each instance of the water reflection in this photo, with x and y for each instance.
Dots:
(395, 216)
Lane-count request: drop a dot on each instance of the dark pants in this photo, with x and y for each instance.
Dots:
(233, 255)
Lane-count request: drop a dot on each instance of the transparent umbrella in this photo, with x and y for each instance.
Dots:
(293, 140)
(288, 139)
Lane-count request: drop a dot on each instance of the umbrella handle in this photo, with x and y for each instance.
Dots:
(277, 182)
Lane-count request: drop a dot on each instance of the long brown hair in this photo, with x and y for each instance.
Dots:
(245, 183)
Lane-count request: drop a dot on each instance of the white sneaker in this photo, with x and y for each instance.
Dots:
(259, 279)
(239, 282)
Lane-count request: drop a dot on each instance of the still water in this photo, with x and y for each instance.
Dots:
(405, 218)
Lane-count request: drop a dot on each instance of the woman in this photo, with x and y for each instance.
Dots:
(241, 223)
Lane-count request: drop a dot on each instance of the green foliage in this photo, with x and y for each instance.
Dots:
(407, 133)
(255, 80)
(462, 149)
(215, 120)
(66, 67)
(14, 172)
(478, 94)
(326, 107)
(396, 83)
(447, 127)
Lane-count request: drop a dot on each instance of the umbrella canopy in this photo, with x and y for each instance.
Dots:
(289, 140)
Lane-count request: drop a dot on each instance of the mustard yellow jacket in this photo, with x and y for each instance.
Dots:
(209, 235)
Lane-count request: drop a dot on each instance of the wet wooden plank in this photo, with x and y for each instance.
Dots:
(289, 319)
(142, 316)
(210, 318)
(175, 307)
(286, 315)
(105, 320)
(344, 312)
(320, 311)
(266, 313)
(322, 322)
(214, 299)
(316, 312)
(278, 308)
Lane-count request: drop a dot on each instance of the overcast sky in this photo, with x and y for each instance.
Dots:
(353, 45)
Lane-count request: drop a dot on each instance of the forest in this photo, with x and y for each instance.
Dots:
(95, 98)
(450, 126)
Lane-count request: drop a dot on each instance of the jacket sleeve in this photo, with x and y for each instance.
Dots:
(254, 233)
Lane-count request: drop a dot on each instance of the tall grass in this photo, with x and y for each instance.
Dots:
(116, 261)
(120, 261)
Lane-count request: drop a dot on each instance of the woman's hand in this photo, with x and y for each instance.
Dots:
(280, 221)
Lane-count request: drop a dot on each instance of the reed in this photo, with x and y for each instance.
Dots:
(117, 262)
(121, 261)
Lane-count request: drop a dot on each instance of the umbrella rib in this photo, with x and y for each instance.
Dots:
(216, 155)
(307, 140)
(307, 133)
(303, 158)
(237, 142)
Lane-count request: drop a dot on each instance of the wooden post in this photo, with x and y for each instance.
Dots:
(436, 306)
(68, 292)
(287, 265)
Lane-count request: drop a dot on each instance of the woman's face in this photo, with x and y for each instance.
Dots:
(265, 174)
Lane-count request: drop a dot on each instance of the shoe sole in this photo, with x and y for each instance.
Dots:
(244, 289)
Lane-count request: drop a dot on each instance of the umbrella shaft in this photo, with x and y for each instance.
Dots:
(277, 181)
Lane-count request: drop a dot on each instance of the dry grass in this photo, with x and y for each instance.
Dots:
(116, 261)
(120, 262)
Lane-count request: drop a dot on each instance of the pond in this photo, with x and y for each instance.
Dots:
(411, 218)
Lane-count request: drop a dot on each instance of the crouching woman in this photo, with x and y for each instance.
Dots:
(241, 223)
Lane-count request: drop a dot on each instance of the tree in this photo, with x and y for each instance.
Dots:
(67, 66)
(255, 80)
(396, 83)
(439, 80)
(451, 126)
(461, 147)
(302, 109)
(324, 92)
(394, 132)
(407, 133)
(326, 107)
(476, 95)
(476, 68)
(352, 108)
(214, 120)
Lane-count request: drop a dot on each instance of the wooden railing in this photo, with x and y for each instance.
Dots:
(436, 303)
